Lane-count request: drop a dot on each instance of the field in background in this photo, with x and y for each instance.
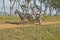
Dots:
(3, 19)
(52, 18)
(17, 19)
(43, 32)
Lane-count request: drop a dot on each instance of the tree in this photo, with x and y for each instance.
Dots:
(11, 6)
(56, 5)
(4, 7)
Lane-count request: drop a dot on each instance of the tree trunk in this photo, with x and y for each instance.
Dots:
(4, 7)
(50, 11)
(11, 7)
(57, 12)
(45, 7)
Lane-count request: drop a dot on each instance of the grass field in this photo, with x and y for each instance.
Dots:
(12, 18)
(52, 18)
(48, 32)
(3, 19)
(43, 32)
(16, 18)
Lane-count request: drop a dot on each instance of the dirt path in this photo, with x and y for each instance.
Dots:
(49, 23)
(3, 26)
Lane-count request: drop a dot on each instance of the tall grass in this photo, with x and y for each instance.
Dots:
(48, 32)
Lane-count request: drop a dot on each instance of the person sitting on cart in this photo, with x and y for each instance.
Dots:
(37, 15)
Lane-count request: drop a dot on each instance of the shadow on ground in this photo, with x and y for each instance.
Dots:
(11, 22)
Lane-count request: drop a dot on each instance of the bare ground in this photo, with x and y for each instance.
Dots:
(12, 25)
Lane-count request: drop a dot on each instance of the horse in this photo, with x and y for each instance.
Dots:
(24, 15)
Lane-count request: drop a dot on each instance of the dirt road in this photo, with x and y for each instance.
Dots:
(3, 26)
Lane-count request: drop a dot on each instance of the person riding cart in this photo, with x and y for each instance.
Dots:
(37, 15)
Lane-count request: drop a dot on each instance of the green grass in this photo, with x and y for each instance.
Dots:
(45, 32)
(15, 18)
(3, 19)
(52, 18)
(9, 18)
(48, 32)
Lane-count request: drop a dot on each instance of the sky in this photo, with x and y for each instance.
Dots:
(6, 5)
(8, 9)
